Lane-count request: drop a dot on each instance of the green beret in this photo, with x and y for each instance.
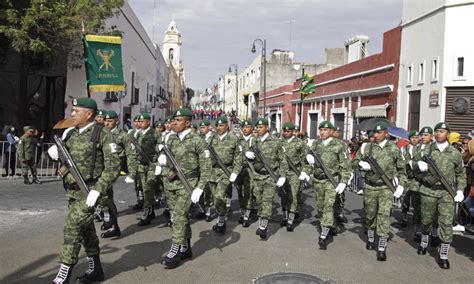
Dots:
(194, 125)
(205, 122)
(413, 133)
(262, 121)
(297, 127)
(183, 112)
(442, 125)
(168, 118)
(326, 124)
(370, 133)
(85, 103)
(426, 129)
(111, 114)
(102, 112)
(145, 116)
(158, 123)
(136, 118)
(222, 119)
(28, 128)
(246, 122)
(380, 126)
(288, 126)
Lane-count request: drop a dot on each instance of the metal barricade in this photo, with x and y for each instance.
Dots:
(45, 167)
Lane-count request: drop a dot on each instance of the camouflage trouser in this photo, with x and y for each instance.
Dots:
(264, 190)
(439, 204)
(138, 187)
(325, 198)
(208, 199)
(412, 198)
(244, 188)
(181, 230)
(107, 204)
(28, 165)
(339, 203)
(378, 204)
(147, 182)
(289, 201)
(170, 198)
(219, 191)
(78, 229)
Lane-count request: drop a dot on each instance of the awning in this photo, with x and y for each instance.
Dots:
(372, 111)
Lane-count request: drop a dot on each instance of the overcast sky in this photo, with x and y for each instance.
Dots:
(217, 33)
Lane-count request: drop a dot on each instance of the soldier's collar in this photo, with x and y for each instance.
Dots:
(81, 130)
(247, 138)
(327, 141)
(264, 137)
(291, 139)
(383, 143)
(442, 146)
(183, 134)
(146, 130)
(223, 135)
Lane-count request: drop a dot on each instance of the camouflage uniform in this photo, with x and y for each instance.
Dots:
(26, 155)
(244, 182)
(209, 188)
(133, 133)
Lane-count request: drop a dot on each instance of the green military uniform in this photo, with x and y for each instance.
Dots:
(133, 134)
(191, 154)
(377, 195)
(435, 199)
(26, 154)
(170, 200)
(295, 153)
(273, 151)
(228, 149)
(208, 200)
(99, 168)
(245, 178)
(333, 153)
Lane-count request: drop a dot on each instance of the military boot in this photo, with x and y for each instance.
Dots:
(423, 247)
(434, 240)
(382, 249)
(322, 242)
(98, 214)
(26, 180)
(262, 229)
(370, 240)
(107, 222)
(140, 201)
(113, 231)
(220, 226)
(208, 214)
(443, 261)
(94, 273)
(173, 258)
(284, 220)
(36, 180)
(185, 250)
(228, 203)
(290, 225)
(404, 220)
(147, 216)
(417, 237)
(64, 274)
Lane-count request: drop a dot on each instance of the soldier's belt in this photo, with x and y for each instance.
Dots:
(172, 176)
(263, 171)
(377, 183)
(74, 186)
(433, 187)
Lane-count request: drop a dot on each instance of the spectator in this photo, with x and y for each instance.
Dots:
(9, 157)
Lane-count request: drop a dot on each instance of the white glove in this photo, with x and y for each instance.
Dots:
(92, 198)
(364, 166)
(160, 147)
(250, 155)
(196, 195)
(232, 177)
(129, 180)
(422, 166)
(16, 138)
(303, 176)
(340, 188)
(162, 160)
(411, 164)
(459, 196)
(53, 152)
(281, 181)
(310, 159)
(157, 171)
(398, 192)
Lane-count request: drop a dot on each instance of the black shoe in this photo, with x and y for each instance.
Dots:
(262, 233)
(35, 180)
(284, 222)
(114, 231)
(200, 215)
(403, 223)
(220, 230)
(370, 246)
(341, 219)
(241, 220)
(169, 224)
(417, 238)
(94, 273)
(381, 255)
(173, 258)
(322, 244)
(187, 254)
(434, 242)
(106, 225)
(208, 218)
(138, 206)
(421, 250)
(246, 223)
(297, 215)
(443, 263)
(152, 214)
(333, 231)
(167, 213)
(26, 180)
(290, 227)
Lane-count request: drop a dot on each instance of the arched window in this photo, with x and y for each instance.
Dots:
(171, 54)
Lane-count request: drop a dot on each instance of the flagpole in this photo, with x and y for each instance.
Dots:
(301, 99)
(84, 44)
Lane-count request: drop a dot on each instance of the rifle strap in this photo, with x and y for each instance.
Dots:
(95, 137)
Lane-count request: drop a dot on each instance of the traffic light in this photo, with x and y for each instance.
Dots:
(246, 99)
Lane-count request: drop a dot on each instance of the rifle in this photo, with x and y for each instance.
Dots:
(140, 151)
(267, 167)
(67, 161)
(374, 165)
(179, 172)
(320, 163)
(218, 159)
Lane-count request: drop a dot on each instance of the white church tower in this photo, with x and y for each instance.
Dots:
(172, 46)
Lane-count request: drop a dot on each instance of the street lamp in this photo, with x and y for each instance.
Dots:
(263, 43)
(223, 93)
(236, 87)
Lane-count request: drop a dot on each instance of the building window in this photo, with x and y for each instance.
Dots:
(409, 75)
(258, 73)
(434, 70)
(421, 73)
(460, 67)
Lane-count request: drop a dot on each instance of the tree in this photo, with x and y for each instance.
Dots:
(41, 27)
(189, 94)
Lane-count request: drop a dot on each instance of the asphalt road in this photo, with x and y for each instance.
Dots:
(31, 220)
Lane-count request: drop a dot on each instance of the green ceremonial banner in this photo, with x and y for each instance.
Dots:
(104, 63)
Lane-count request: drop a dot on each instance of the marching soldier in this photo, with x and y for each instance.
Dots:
(133, 133)
(228, 149)
(194, 127)
(273, 152)
(341, 198)
(124, 149)
(244, 179)
(377, 195)
(26, 155)
(295, 154)
(191, 154)
(333, 153)
(146, 179)
(412, 196)
(208, 200)
(435, 199)
(100, 117)
(95, 154)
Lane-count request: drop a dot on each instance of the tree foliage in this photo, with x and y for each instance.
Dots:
(189, 94)
(52, 26)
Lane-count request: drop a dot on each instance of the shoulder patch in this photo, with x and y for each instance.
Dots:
(207, 154)
(113, 147)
